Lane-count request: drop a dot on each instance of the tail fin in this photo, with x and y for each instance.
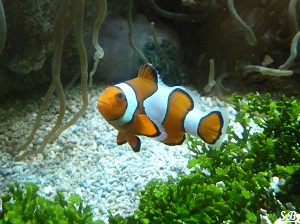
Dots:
(212, 127)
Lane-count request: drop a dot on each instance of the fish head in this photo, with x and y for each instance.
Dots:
(112, 103)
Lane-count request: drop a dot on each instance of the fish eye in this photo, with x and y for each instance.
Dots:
(121, 96)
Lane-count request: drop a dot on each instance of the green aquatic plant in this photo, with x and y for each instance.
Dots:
(190, 199)
(256, 157)
(278, 141)
(231, 184)
(67, 15)
(276, 148)
(2, 27)
(26, 206)
(198, 198)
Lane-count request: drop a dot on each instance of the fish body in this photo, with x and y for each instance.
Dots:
(146, 106)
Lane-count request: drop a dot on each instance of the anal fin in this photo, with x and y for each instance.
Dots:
(175, 139)
(121, 138)
(134, 142)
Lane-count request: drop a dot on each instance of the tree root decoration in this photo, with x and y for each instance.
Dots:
(219, 82)
(130, 31)
(78, 27)
(59, 39)
(293, 54)
(266, 71)
(247, 29)
(215, 86)
(198, 5)
(211, 78)
(63, 22)
(294, 31)
(219, 94)
(3, 29)
(37, 122)
(177, 16)
(99, 51)
(293, 17)
(161, 51)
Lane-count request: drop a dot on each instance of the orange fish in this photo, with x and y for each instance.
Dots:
(146, 106)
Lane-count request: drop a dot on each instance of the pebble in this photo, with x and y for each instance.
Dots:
(85, 159)
(5, 172)
(120, 189)
(17, 169)
(110, 199)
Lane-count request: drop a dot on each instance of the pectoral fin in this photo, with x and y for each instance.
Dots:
(146, 127)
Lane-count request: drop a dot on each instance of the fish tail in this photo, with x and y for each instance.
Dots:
(211, 128)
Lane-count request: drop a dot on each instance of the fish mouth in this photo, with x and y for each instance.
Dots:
(103, 103)
(103, 106)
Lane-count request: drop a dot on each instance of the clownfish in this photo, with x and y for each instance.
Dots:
(146, 106)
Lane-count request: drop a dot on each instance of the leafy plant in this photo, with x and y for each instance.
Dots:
(276, 149)
(232, 183)
(246, 164)
(280, 123)
(19, 206)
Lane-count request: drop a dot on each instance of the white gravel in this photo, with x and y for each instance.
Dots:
(85, 159)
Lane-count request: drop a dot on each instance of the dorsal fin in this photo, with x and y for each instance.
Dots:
(147, 71)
